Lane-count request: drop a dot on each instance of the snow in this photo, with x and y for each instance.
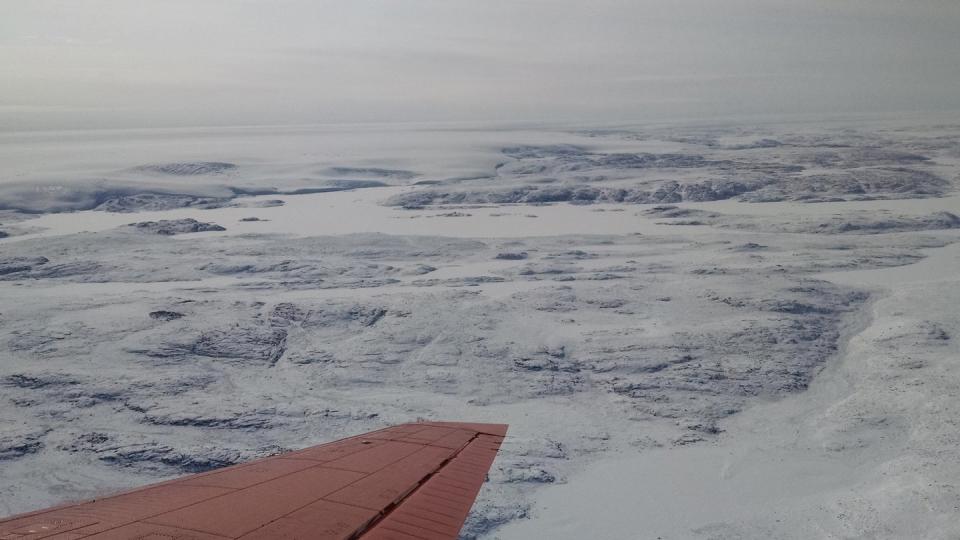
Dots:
(852, 457)
(680, 362)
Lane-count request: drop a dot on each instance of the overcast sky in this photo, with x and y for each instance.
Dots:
(105, 63)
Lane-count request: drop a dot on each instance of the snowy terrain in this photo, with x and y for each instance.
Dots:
(694, 332)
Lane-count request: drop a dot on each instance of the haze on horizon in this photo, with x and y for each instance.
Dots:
(114, 63)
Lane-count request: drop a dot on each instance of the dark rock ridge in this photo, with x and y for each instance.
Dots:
(141, 202)
(242, 343)
(666, 192)
(17, 446)
(12, 265)
(512, 256)
(171, 227)
(164, 315)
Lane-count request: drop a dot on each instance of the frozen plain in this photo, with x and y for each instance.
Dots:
(695, 332)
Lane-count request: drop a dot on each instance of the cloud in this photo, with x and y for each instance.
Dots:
(224, 61)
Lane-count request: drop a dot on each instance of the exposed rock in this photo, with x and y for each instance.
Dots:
(171, 227)
(17, 446)
(512, 256)
(12, 265)
(188, 168)
(153, 202)
(164, 315)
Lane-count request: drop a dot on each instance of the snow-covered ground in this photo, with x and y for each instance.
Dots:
(694, 332)
(866, 452)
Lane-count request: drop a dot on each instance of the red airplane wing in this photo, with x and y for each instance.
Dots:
(404, 482)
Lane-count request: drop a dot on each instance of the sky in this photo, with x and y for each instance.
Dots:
(67, 64)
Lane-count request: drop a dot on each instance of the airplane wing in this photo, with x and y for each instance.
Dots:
(411, 481)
